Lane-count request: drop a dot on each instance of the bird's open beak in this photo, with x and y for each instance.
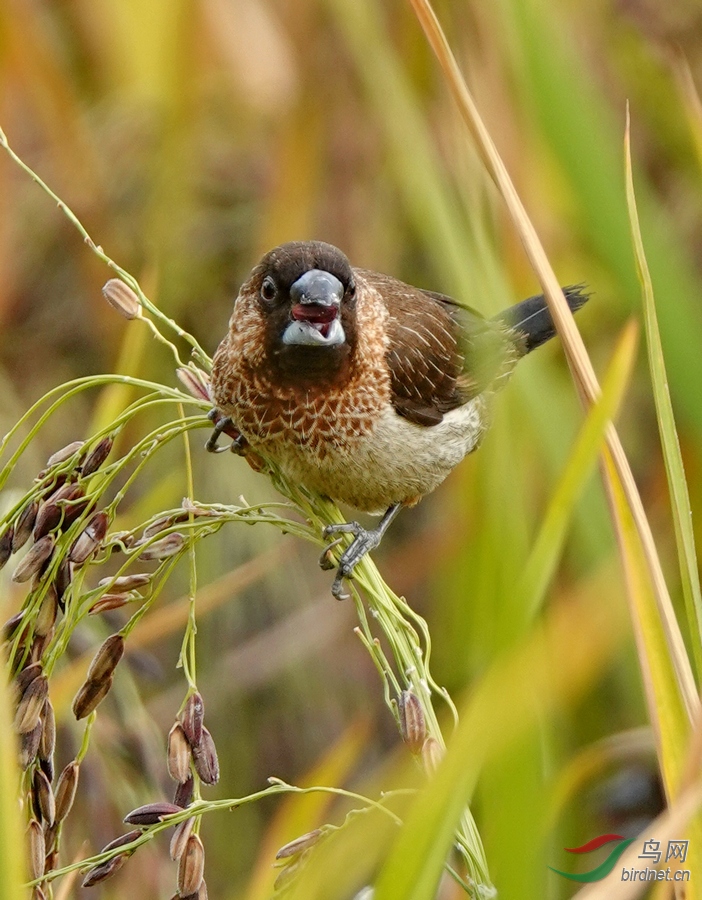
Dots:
(316, 303)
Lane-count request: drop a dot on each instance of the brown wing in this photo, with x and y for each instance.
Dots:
(436, 357)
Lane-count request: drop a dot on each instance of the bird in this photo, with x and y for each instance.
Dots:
(362, 388)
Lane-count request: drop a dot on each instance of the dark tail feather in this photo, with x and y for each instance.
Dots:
(532, 321)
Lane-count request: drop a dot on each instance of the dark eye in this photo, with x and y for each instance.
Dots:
(351, 290)
(268, 289)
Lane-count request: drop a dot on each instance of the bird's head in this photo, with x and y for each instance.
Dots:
(302, 296)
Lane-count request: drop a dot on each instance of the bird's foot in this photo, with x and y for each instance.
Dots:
(365, 540)
(224, 425)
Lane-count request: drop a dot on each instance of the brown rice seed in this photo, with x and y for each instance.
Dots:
(24, 678)
(205, 759)
(151, 813)
(195, 381)
(96, 457)
(110, 601)
(90, 696)
(37, 556)
(44, 797)
(29, 746)
(184, 793)
(121, 840)
(192, 718)
(122, 298)
(66, 788)
(106, 659)
(293, 848)
(63, 454)
(37, 849)
(24, 525)
(180, 838)
(412, 724)
(164, 548)
(90, 539)
(104, 870)
(179, 755)
(31, 705)
(191, 866)
(47, 743)
(62, 581)
(126, 582)
(432, 754)
(46, 617)
(6, 539)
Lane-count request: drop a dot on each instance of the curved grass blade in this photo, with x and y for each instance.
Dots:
(675, 472)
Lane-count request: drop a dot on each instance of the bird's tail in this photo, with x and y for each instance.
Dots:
(530, 321)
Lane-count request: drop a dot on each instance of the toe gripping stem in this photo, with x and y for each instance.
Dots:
(224, 425)
(364, 541)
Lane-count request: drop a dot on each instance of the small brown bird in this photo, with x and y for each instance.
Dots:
(362, 388)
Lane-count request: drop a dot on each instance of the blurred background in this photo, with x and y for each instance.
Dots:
(190, 136)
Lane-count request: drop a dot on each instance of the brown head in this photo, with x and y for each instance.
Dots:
(296, 314)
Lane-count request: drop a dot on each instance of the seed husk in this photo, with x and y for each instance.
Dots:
(63, 454)
(24, 678)
(432, 754)
(191, 866)
(9, 629)
(293, 848)
(205, 759)
(62, 581)
(192, 717)
(44, 797)
(179, 755)
(37, 893)
(31, 705)
(90, 696)
(29, 746)
(89, 540)
(37, 849)
(46, 617)
(412, 724)
(51, 860)
(34, 560)
(151, 814)
(165, 547)
(47, 743)
(24, 525)
(104, 870)
(122, 298)
(66, 788)
(287, 874)
(126, 582)
(184, 793)
(195, 381)
(74, 505)
(6, 539)
(48, 517)
(110, 601)
(180, 838)
(106, 659)
(121, 840)
(96, 457)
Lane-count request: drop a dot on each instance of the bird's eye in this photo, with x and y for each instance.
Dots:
(268, 289)
(351, 290)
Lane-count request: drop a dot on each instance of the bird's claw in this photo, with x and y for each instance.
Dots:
(364, 541)
(224, 425)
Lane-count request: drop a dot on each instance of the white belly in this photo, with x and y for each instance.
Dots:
(397, 462)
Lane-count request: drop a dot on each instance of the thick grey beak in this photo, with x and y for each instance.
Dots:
(318, 287)
(316, 306)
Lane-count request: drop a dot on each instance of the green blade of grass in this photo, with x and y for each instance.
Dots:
(675, 472)
(546, 552)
